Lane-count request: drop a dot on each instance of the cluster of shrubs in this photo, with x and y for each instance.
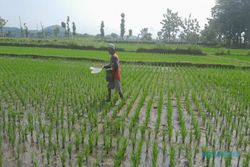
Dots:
(68, 46)
(188, 51)
(221, 52)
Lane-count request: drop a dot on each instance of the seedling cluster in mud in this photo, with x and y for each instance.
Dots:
(55, 113)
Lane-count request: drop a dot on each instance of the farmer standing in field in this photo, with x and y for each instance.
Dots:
(113, 72)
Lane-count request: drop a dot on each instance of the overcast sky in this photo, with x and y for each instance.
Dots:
(88, 14)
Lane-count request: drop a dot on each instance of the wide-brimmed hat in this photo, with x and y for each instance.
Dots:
(111, 46)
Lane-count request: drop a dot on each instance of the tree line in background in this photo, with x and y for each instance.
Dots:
(66, 27)
(230, 23)
(2, 24)
(229, 26)
(174, 29)
(64, 30)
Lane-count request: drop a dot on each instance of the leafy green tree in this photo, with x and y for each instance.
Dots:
(102, 29)
(145, 35)
(159, 35)
(130, 32)
(210, 33)
(2, 24)
(122, 25)
(246, 14)
(191, 30)
(63, 24)
(74, 28)
(26, 30)
(231, 18)
(68, 28)
(171, 25)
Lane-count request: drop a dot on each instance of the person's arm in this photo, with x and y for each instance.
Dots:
(107, 66)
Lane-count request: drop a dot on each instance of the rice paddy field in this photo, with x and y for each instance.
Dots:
(237, 58)
(54, 113)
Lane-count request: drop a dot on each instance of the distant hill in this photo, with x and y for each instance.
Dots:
(53, 27)
(11, 31)
(51, 30)
(48, 31)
